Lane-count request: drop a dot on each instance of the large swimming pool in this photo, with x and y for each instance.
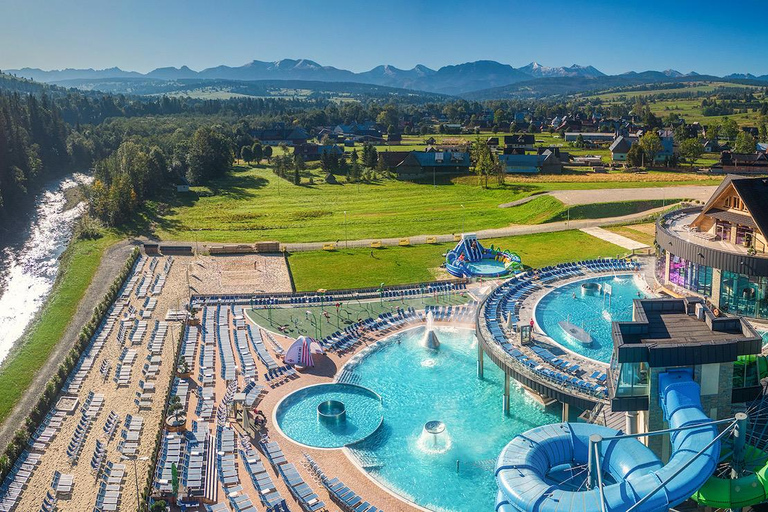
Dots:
(452, 470)
(590, 310)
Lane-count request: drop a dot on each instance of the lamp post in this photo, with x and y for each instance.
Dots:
(135, 474)
(463, 218)
(346, 238)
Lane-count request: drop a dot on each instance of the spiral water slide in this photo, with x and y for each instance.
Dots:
(629, 477)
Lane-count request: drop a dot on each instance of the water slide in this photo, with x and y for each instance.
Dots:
(526, 467)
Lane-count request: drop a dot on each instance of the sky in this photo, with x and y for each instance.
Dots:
(614, 36)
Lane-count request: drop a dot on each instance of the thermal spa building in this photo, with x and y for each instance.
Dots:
(673, 333)
(719, 251)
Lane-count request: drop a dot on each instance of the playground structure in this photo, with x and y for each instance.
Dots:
(470, 259)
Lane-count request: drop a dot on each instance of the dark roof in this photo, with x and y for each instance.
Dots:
(393, 158)
(668, 332)
(620, 145)
(753, 191)
(521, 138)
(732, 217)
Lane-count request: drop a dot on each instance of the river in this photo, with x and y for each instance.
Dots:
(29, 257)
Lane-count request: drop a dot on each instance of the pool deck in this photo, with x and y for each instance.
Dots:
(526, 313)
(334, 462)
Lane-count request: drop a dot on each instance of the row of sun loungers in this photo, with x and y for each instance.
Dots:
(170, 453)
(195, 458)
(346, 498)
(302, 492)
(502, 309)
(262, 481)
(247, 363)
(261, 350)
(336, 296)
(280, 375)
(47, 431)
(342, 341)
(16, 481)
(108, 496)
(157, 340)
(130, 435)
(227, 360)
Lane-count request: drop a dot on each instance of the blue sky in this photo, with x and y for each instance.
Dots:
(614, 36)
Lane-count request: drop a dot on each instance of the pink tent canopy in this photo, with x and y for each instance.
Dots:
(300, 352)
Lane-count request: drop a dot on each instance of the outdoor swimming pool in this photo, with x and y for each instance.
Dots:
(487, 267)
(298, 417)
(419, 385)
(591, 311)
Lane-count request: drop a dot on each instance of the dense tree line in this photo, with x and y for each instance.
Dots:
(33, 143)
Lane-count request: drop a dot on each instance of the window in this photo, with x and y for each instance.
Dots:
(744, 295)
(727, 202)
(633, 380)
(689, 275)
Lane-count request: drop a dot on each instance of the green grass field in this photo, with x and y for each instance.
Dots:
(253, 204)
(354, 268)
(296, 321)
(78, 266)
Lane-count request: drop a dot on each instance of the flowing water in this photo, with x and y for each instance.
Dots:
(29, 258)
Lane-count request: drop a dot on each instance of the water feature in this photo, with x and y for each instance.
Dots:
(578, 315)
(423, 389)
(329, 415)
(430, 338)
(29, 258)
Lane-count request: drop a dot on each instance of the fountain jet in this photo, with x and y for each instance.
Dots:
(430, 338)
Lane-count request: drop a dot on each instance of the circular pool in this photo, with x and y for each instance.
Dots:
(487, 267)
(578, 315)
(443, 427)
(329, 415)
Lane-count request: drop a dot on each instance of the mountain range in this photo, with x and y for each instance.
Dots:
(460, 79)
(454, 79)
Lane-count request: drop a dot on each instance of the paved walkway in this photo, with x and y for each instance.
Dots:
(611, 195)
(614, 238)
(513, 230)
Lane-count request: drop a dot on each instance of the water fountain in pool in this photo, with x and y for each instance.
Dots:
(434, 438)
(430, 338)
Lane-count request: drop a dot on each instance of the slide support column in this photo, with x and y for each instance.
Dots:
(479, 360)
(739, 445)
(506, 394)
(593, 462)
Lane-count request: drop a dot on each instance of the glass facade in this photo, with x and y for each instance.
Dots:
(689, 275)
(744, 295)
(633, 380)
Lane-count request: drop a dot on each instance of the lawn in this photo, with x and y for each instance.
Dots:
(355, 268)
(253, 204)
(297, 321)
(78, 265)
(643, 233)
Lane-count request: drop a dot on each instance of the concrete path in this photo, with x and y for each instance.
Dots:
(614, 238)
(610, 195)
(513, 230)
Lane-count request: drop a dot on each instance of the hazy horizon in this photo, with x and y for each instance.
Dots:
(614, 38)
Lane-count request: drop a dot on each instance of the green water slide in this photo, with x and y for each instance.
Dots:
(733, 493)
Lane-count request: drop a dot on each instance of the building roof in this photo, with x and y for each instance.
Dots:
(682, 332)
(526, 139)
(620, 145)
(753, 191)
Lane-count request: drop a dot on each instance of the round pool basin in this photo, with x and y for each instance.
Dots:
(329, 415)
(590, 305)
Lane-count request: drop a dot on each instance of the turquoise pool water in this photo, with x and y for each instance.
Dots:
(418, 385)
(297, 415)
(593, 313)
(486, 266)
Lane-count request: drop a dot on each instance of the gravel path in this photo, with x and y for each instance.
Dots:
(611, 195)
(111, 262)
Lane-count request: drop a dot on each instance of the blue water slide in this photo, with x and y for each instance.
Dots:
(526, 467)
